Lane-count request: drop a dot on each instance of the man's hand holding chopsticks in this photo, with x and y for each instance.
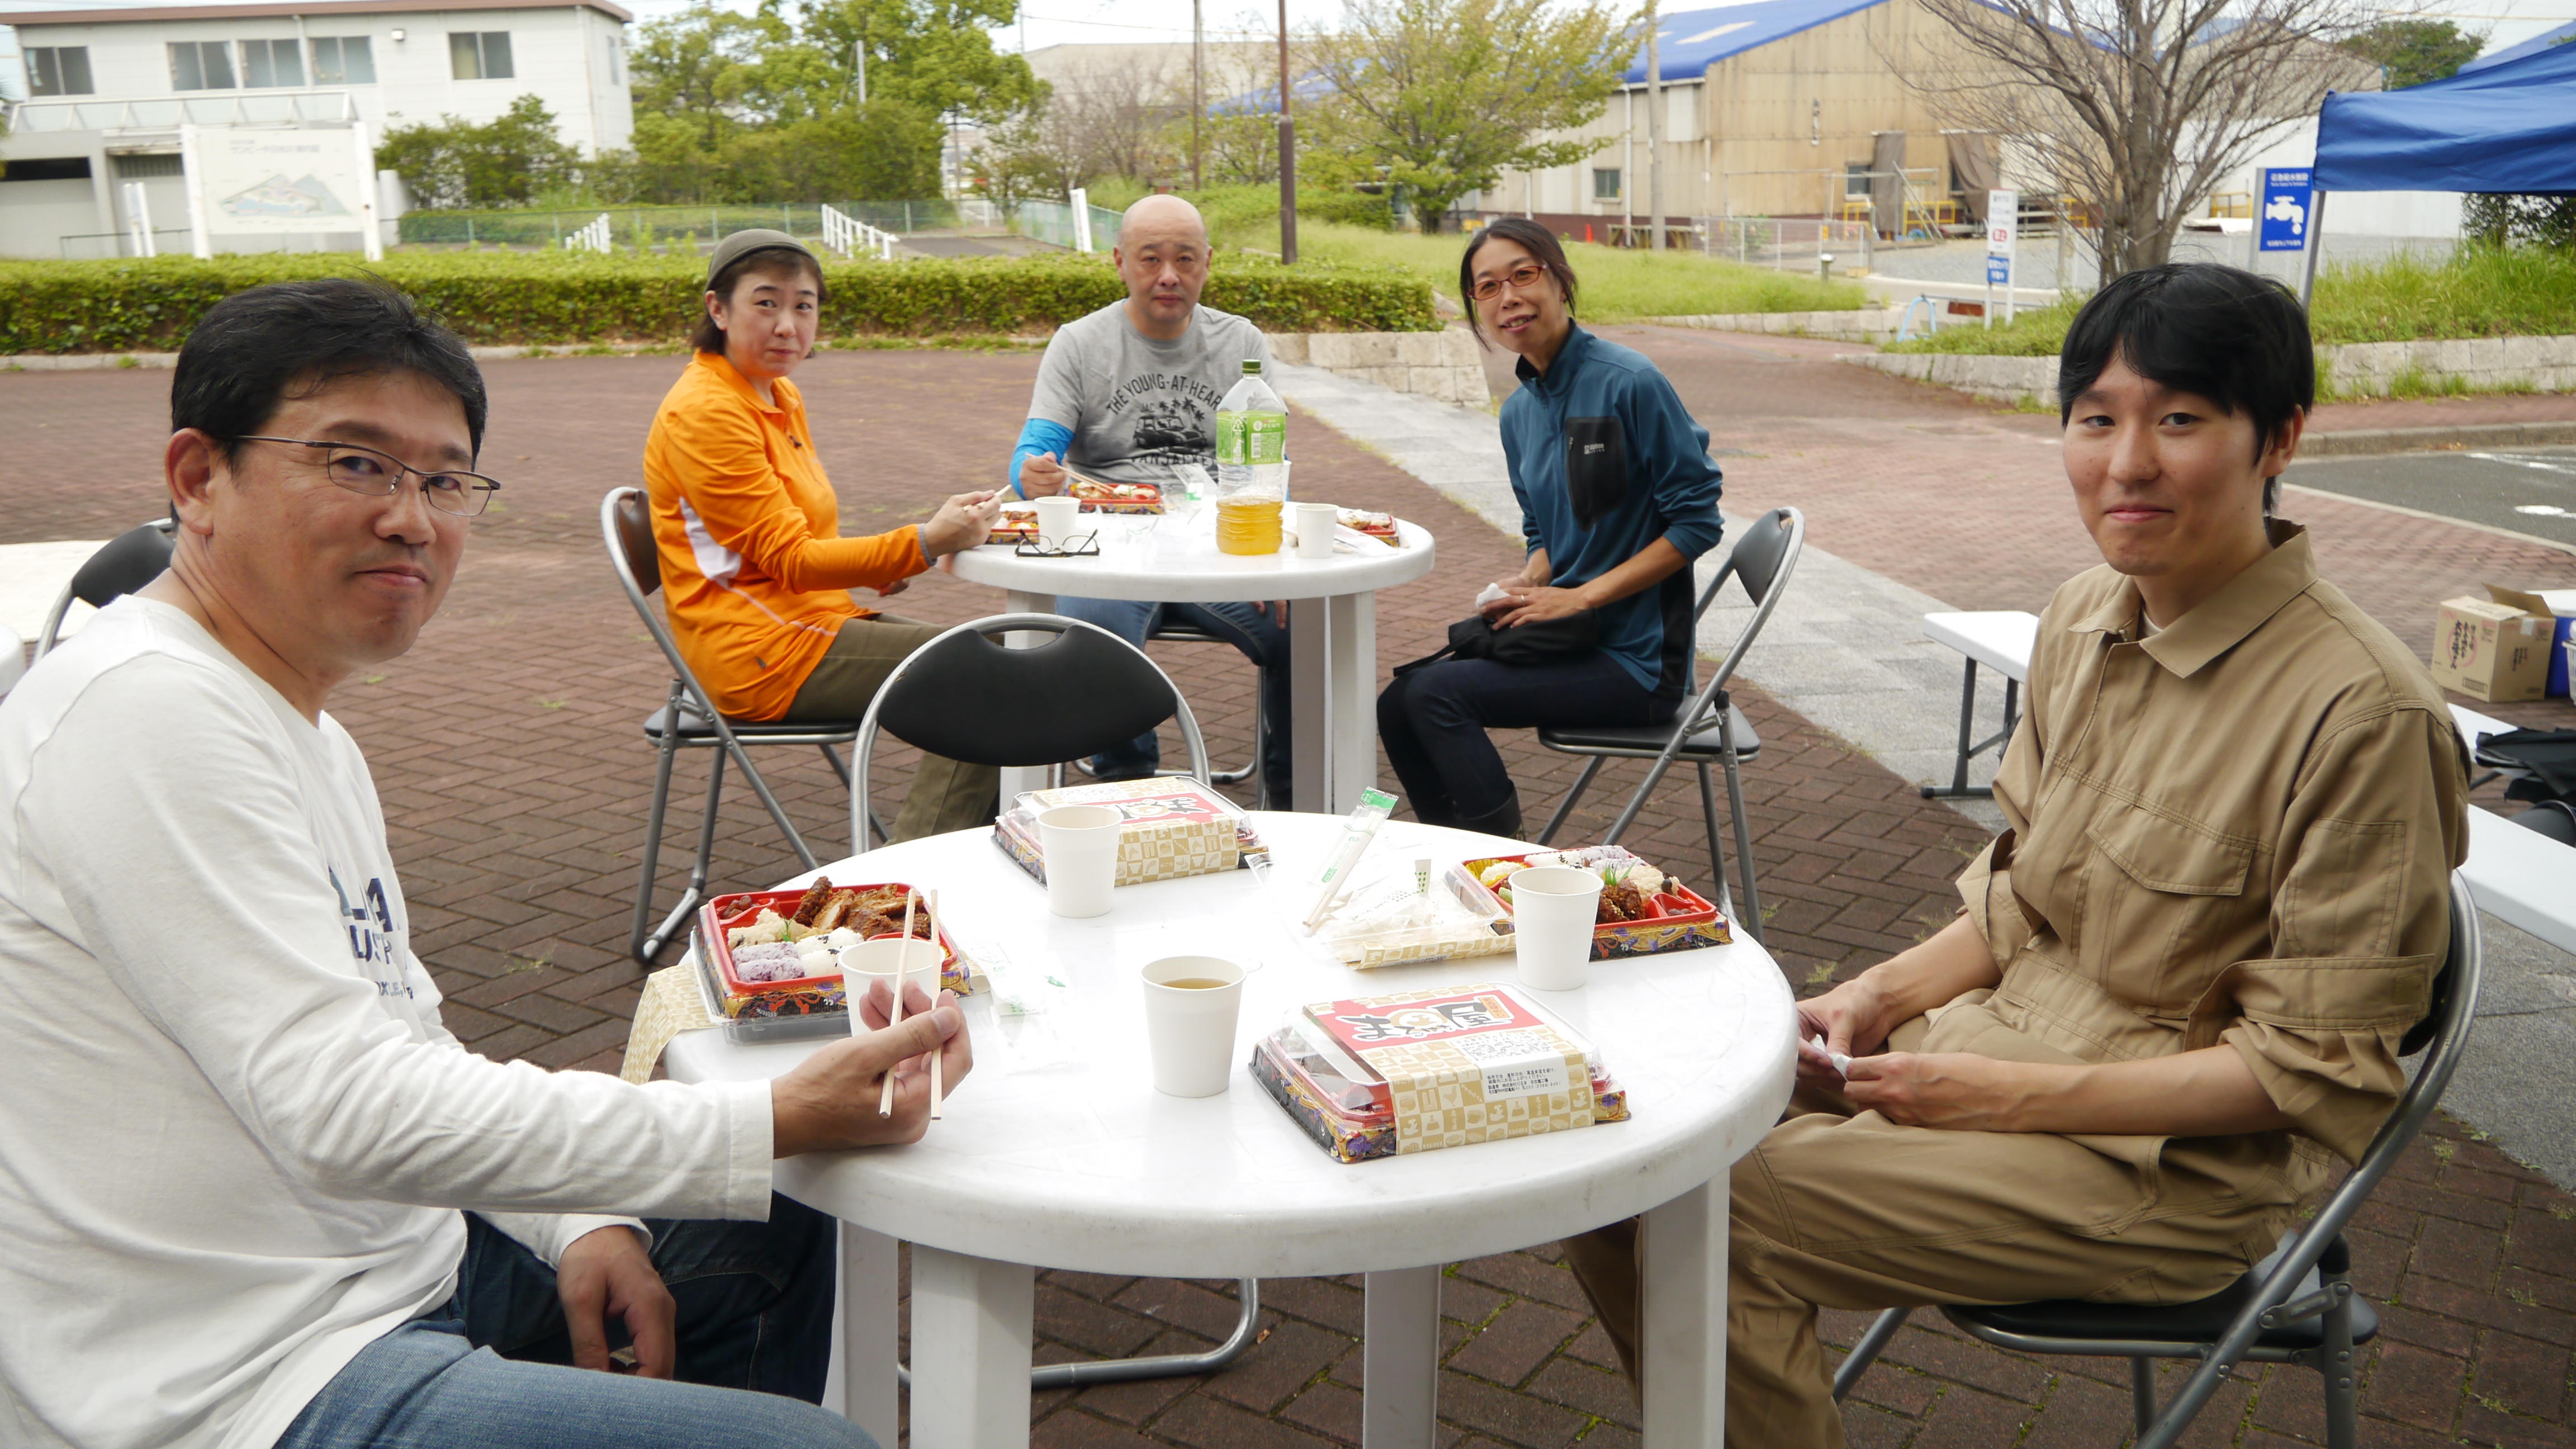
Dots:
(829, 1103)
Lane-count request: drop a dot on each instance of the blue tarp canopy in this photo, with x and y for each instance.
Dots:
(2506, 127)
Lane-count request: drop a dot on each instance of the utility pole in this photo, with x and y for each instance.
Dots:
(1287, 154)
(1654, 132)
(1198, 87)
(859, 63)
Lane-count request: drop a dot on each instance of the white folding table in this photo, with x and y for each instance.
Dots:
(2000, 639)
(2527, 879)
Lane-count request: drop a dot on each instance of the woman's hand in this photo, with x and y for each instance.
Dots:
(962, 522)
(1954, 1090)
(1852, 1020)
(1523, 604)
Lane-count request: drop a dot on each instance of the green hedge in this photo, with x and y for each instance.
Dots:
(506, 299)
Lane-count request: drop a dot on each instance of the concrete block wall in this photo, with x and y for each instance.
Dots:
(1442, 365)
(1864, 324)
(2482, 364)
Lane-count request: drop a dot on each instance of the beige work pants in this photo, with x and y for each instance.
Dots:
(1852, 1211)
(946, 794)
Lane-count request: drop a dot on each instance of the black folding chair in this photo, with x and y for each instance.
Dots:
(122, 565)
(1710, 727)
(974, 699)
(2297, 1306)
(968, 696)
(688, 720)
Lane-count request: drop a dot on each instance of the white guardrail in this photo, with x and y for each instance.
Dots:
(849, 236)
(592, 238)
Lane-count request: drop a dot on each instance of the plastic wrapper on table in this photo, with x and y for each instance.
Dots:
(1390, 919)
(1173, 827)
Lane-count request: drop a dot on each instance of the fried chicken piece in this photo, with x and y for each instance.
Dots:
(810, 905)
(1621, 902)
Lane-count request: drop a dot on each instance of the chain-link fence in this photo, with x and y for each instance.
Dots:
(1053, 222)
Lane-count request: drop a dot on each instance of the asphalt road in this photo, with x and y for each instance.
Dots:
(2529, 490)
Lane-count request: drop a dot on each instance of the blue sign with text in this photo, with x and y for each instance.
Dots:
(2288, 198)
(1998, 271)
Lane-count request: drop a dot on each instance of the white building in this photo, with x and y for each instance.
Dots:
(109, 91)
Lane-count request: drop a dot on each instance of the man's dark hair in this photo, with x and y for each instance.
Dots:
(254, 350)
(773, 261)
(2217, 332)
(1535, 239)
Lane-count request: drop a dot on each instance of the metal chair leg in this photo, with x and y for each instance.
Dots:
(1882, 1330)
(832, 758)
(2142, 1392)
(1716, 856)
(1743, 841)
(636, 940)
(2339, 1362)
(1565, 807)
(674, 924)
(777, 812)
(1157, 1366)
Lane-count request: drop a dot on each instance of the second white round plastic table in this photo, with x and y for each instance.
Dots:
(1332, 623)
(1058, 1152)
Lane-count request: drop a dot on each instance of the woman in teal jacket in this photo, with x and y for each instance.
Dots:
(1617, 497)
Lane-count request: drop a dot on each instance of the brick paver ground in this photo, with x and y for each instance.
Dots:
(505, 747)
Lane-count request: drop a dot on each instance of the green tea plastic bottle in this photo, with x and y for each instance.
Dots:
(1252, 437)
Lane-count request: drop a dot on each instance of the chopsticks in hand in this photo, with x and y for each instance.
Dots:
(894, 1016)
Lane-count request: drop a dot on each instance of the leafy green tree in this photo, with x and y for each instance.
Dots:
(452, 162)
(1447, 94)
(2412, 52)
(936, 55)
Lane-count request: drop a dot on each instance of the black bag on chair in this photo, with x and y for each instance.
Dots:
(1537, 642)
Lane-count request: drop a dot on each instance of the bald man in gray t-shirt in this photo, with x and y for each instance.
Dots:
(1130, 392)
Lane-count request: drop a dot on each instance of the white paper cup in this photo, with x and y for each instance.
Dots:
(1191, 1029)
(1059, 520)
(879, 960)
(1080, 845)
(1554, 908)
(1315, 525)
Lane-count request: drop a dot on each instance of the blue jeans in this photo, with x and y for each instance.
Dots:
(1249, 628)
(490, 1369)
(1433, 722)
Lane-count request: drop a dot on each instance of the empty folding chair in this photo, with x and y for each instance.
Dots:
(122, 565)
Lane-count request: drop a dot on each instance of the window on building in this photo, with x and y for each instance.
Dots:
(144, 166)
(46, 168)
(201, 65)
(1605, 183)
(271, 63)
(343, 60)
(616, 62)
(1855, 178)
(479, 54)
(59, 70)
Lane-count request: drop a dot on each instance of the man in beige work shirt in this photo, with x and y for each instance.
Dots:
(2179, 981)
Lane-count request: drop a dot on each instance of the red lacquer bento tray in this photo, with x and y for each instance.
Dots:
(1684, 920)
(747, 1001)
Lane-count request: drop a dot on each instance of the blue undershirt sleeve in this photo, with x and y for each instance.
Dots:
(1038, 435)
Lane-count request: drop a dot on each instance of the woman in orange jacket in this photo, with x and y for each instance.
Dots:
(755, 574)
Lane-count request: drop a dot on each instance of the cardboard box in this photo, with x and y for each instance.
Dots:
(2495, 649)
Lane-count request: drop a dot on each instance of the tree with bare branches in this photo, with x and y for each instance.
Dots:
(2138, 109)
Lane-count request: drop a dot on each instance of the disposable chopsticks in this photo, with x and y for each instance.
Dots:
(894, 1018)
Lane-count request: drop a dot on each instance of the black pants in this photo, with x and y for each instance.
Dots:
(1433, 723)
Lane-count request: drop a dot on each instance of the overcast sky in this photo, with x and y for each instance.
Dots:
(1061, 22)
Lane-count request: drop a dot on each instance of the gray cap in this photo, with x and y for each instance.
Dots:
(732, 248)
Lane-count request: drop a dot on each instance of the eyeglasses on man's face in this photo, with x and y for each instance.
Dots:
(380, 474)
(1519, 279)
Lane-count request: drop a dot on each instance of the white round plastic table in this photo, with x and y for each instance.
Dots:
(1057, 1151)
(1332, 623)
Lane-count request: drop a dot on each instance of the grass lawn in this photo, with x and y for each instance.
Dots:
(1617, 285)
(2476, 292)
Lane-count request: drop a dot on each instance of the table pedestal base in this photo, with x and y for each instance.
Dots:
(1683, 1289)
(1401, 1357)
(971, 1327)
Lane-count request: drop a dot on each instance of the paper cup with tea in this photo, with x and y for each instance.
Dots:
(882, 959)
(1192, 1004)
(1554, 908)
(1080, 848)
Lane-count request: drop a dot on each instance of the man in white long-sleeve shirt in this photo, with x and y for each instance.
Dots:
(252, 1193)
